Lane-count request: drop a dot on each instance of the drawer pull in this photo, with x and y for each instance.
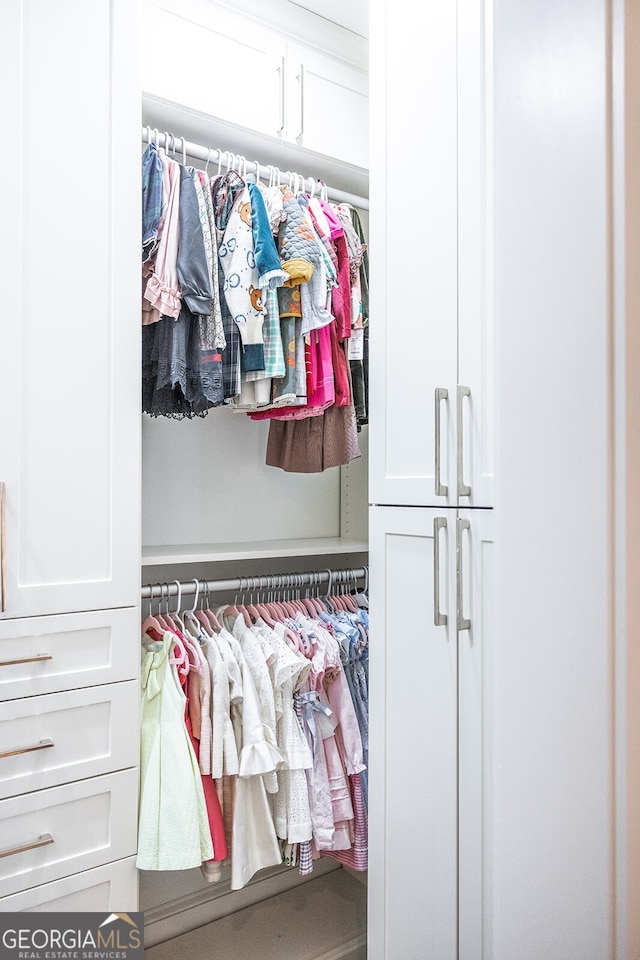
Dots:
(36, 659)
(42, 841)
(42, 745)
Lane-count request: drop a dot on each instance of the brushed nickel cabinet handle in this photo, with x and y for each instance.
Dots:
(301, 81)
(42, 745)
(38, 657)
(463, 489)
(441, 488)
(43, 841)
(463, 622)
(440, 619)
(282, 115)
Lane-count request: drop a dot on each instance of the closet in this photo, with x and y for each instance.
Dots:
(230, 516)
(501, 534)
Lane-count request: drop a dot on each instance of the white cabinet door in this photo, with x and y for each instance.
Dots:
(474, 406)
(111, 887)
(61, 737)
(430, 255)
(209, 58)
(413, 823)
(40, 655)
(431, 747)
(70, 361)
(413, 253)
(477, 666)
(327, 105)
(49, 834)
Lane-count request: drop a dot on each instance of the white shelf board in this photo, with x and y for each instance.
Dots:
(202, 128)
(249, 550)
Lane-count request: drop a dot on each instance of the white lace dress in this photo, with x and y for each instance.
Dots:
(290, 805)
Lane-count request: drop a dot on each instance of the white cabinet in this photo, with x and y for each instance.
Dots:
(61, 737)
(103, 889)
(69, 365)
(61, 831)
(327, 104)
(429, 573)
(544, 333)
(51, 654)
(430, 362)
(272, 68)
(70, 457)
(216, 61)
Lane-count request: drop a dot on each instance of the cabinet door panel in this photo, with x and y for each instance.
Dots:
(413, 793)
(46, 741)
(327, 105)
(54, 833)
(208, 58)
(52, 654)
(69, 365)
(476, 671)
(414, 271)
(112, 887)
(475, 256)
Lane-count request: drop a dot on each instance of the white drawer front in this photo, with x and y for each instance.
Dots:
(48, 654)
(113, 887)
(91, 822)
(60, 737)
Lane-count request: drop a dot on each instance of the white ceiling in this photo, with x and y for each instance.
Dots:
(352, 14)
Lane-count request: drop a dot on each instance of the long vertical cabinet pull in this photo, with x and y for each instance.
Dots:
(440, 619)
(442, 489)
(463, 622)
(3, 547)
(301, 82)
(282, 95)
(464, 490)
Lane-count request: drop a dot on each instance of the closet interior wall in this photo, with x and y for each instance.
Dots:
(211, 508)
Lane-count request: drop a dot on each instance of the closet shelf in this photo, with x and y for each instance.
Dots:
(250, 550)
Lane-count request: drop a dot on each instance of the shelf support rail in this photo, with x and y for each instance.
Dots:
(230, 160)
(276, 581)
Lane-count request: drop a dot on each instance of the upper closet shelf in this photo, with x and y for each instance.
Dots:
(249, 550)
(166, 115)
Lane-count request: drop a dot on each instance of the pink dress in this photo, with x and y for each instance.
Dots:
(214, 813)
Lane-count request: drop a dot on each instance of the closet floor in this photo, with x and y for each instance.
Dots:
(324, 919)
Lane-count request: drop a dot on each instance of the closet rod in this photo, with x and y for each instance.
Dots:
(278, 581)
(226, 158)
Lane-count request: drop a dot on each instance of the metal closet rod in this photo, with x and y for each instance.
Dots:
(227, 158)
(273, 581)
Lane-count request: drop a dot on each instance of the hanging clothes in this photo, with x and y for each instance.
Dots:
(260, 716)
(166, 840)
(252, 298)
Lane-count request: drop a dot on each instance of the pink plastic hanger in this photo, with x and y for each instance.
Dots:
(252, 610)
(206, 616)
(264, 612)
(152, 623)
(192, 652)
(190, 616)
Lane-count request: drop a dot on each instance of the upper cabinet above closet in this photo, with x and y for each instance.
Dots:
(430, 259)
(271, 67)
